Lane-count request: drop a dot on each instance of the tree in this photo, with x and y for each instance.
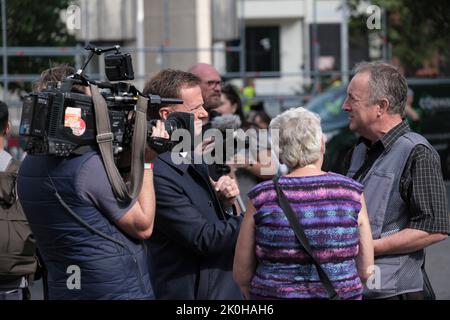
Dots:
(419, 31)
(35, 23)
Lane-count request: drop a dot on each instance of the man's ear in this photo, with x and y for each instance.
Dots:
(8, 128)
(383, 106)
(234, 107)
(164, 112)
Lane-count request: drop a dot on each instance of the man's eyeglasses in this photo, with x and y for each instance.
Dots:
(213, 83)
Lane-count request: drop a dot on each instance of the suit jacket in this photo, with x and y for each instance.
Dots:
(192, 247)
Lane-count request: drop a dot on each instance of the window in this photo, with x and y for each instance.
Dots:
(262, 46)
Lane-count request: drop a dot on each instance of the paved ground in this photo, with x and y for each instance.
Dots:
(438, 267)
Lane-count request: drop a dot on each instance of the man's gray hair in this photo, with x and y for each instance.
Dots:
(385, 81)
(299, 137)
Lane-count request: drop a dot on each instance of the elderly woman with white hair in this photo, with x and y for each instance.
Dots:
(269, 261)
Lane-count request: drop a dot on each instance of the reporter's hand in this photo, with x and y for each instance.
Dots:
(159, 131)
(227, 189)
(208, 145)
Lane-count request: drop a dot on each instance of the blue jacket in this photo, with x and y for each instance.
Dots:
(192, 246)
(108, 271)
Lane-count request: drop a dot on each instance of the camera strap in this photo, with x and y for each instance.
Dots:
(105, 138)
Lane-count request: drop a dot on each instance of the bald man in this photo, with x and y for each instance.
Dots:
(211, 84)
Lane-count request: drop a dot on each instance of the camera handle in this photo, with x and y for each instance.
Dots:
(155, 99)
(97, 51)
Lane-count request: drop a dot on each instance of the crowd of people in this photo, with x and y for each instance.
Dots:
(190, 235)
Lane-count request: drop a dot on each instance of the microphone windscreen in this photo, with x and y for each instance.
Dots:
(226, 121)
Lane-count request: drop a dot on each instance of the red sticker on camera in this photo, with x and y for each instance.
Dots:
(79, 131)
(73, 120)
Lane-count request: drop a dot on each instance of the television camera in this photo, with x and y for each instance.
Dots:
(60, 121)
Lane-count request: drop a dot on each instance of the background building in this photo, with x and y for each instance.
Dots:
(271, 41)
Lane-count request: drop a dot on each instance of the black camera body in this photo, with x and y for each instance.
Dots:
(58, 121)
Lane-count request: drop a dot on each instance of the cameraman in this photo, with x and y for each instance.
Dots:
(192, 247)
(82, 264)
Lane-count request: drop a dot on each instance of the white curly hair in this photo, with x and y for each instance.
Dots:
(299, 137)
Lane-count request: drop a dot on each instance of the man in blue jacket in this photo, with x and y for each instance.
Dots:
(195, 233)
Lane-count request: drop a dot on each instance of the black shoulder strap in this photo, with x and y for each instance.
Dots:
(301, 237)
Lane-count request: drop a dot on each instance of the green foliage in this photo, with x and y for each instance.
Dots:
(35, 23)
(417, 30)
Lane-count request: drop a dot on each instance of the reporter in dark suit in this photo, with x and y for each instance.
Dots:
(192, 247)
